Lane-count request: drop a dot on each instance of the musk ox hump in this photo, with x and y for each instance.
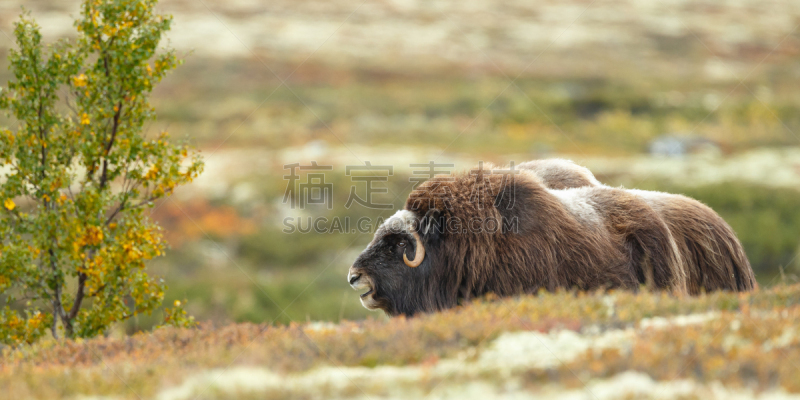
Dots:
(557, 173)
(481, 196)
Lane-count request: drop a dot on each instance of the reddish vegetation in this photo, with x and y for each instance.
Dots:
(743, 346)
(197, 219)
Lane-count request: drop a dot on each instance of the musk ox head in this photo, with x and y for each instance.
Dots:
(439, 250)
(391, 266)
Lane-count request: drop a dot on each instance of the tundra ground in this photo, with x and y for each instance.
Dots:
(562, 345)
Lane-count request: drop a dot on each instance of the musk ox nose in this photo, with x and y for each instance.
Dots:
(352, 278)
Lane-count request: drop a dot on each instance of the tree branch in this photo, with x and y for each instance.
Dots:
(78, 296)
(96, 292)
(58, 309)
(114, 128)
(123, 207)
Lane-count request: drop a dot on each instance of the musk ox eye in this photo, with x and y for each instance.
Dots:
(402, 244)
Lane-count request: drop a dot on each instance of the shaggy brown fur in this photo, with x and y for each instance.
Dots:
(713, 257)
(587, 238)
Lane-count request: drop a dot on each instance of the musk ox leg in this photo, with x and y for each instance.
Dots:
(653, 253)
(714, 258)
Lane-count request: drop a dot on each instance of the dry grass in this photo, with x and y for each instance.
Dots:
(751, 344)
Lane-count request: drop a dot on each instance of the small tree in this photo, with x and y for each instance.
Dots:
(78, 174)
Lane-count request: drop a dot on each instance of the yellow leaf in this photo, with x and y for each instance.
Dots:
(79, 81)
(152, 173)
(93, 236)
(9, 204)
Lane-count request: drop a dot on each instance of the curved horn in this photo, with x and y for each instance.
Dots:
(418, 256)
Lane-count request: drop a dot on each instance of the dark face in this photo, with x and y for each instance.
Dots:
(388, 283)
(382, 274)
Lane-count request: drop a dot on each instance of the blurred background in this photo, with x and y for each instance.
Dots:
(699, 98)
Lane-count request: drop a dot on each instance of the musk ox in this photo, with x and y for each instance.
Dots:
(712, 255)
(464, 235)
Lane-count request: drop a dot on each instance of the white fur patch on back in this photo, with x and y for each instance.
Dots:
(649, 194)
(577, 201)
(655, 199)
